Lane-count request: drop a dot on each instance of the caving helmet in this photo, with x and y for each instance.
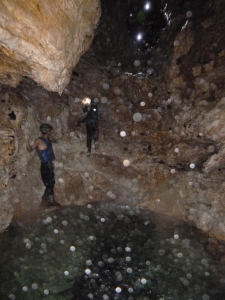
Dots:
(44, 128)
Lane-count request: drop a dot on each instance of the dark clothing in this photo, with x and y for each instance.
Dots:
(92, 133)
(47, 154)
(91, 124)
(48, 178)
(47, 168)
(92, 113)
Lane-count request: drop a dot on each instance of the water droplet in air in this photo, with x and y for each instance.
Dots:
(189, 14)
(137, 117)
(105, 86)
(118, 290)
(137, 63)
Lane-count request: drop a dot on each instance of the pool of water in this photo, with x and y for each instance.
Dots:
(109, 251)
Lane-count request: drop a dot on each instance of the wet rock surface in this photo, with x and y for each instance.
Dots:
(108, 251)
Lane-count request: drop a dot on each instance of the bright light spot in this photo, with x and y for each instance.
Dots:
(143, 281)
(49, 118)
(56, 231)
(118, 290)
(90, 296)
(123, 133)
(180, 254)
(102, 220)
(126, 163)
(176, 150)
(147, 6)
(137, 117)
(176, 236)
(128, 249)
(87, 271)
(150, 94)
(192, 166)
(72, 248)
(172, 171)
(142, 103)
(66, 273)
(137, 63)
(60, 180)
(86, 101)
(25, 288)
(206, 273)
(46, 292)
(139, 36)
(128, 258)
(130, 290)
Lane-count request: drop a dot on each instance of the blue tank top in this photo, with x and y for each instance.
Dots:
(47, 154)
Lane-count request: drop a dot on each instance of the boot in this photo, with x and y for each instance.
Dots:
(51, 202)
(96, 145)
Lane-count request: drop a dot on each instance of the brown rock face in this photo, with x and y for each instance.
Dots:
(44, 40)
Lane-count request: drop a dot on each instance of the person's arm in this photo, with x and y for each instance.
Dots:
(86, 108)
(30, 147)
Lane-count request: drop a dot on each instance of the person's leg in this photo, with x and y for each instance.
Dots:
(48, 178)
(89, 137)
(95, 132)
(96, 135)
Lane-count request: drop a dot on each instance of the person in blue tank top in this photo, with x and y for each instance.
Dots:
(43, 146)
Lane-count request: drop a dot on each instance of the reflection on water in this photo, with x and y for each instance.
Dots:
(109, 251)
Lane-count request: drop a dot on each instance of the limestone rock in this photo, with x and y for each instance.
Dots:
(45, 40)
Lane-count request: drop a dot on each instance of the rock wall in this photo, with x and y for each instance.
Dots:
(44, 40)
(161, 131)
